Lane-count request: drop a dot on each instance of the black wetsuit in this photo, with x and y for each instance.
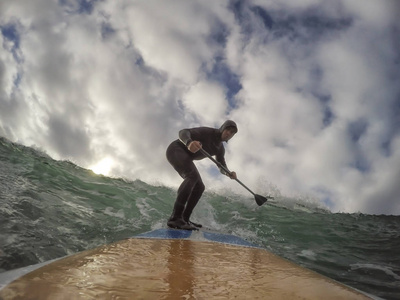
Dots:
(181, 159)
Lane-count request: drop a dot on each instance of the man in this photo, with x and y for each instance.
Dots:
(181, 154)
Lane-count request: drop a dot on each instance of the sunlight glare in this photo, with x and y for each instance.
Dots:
(103, 166)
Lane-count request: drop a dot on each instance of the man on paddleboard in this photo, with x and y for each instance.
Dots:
(181, 153)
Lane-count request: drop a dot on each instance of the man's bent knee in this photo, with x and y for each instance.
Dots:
(200, 187)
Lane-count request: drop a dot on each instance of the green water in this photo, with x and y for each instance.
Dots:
(53, 208)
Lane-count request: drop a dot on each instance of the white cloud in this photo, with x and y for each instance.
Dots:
(171, 36)
(377, 14)
(207, 100)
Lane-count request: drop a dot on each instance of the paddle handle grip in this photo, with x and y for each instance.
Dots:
(224, 168)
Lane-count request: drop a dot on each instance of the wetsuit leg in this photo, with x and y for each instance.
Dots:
(194, 198)
(192, 186)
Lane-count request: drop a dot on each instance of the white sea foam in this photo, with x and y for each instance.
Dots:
(157, 225)
(144, 207)
(308, 254)
(386, 270)
(119, 214)
(237, 216)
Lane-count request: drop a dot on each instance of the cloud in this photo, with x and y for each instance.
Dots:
(206, 99)
(313, 86)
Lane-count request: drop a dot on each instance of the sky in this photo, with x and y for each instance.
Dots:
(314, 87)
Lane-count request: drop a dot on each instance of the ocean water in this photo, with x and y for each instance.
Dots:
(50, 209)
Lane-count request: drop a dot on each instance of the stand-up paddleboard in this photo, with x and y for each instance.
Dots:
(176, 264)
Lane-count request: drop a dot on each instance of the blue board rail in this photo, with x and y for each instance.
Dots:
(201, 235)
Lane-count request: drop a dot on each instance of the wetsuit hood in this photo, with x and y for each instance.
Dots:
(228, 123)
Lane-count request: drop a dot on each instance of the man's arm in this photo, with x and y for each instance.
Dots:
(221, 159)
(231, 174)
(185, 137)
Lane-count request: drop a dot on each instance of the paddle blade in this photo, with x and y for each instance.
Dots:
(260, 199)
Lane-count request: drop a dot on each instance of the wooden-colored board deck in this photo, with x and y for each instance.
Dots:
(141, 268)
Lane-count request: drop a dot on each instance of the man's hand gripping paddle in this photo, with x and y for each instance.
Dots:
(260, 200)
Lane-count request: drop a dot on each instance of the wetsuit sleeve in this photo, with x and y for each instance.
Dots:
(185, 137)
(221, 159)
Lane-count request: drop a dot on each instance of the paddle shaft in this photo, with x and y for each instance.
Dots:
(224, 168)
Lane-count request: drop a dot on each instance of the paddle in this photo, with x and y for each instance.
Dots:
(260, 200)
